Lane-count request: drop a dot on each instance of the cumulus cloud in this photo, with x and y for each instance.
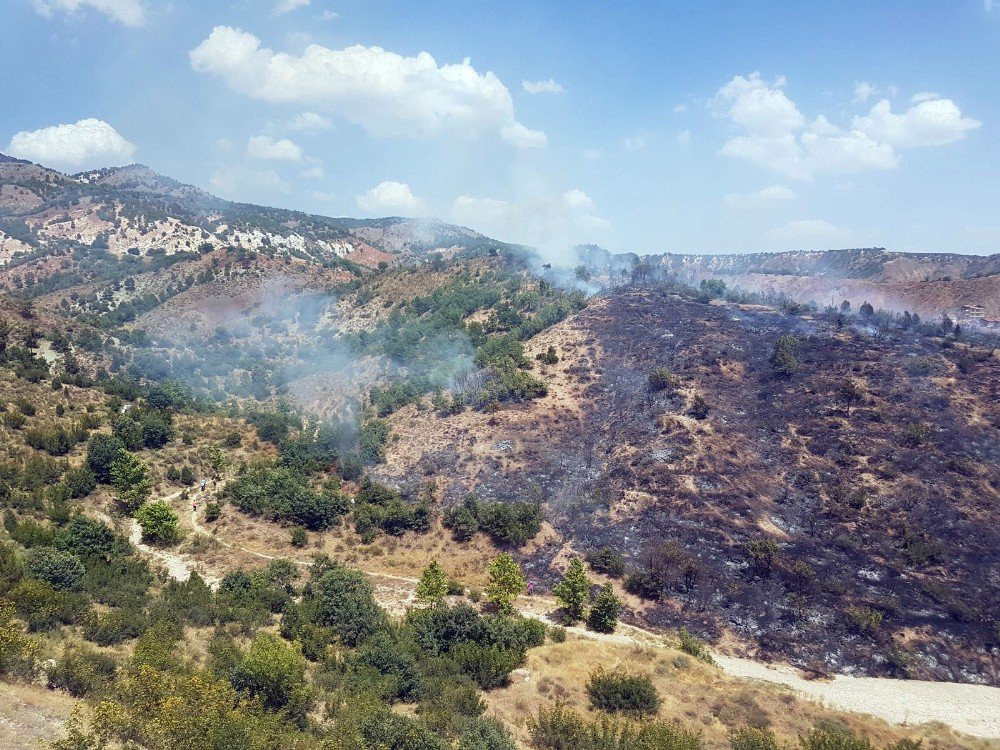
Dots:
(329, 15)
(265, 147)
(87, 144)
(635, 142)
(309, 122)
(551, 223)
(542, 87)
(759, 198)
(128, 12)
(863, 91)
(777, 137)
(388, 94)
(523, 138)
(808, 234)
(313, 173)
(287, 6)
(931, 122)
(389, 197)
(684, 137)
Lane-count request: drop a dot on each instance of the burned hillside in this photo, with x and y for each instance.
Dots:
(833, 508)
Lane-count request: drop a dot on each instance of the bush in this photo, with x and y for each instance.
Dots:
(620, 692)
(512, 523)
(81, 481)
(662, 379)
(607, 561)
(486, 734)
(82, 671)
(114, 627)
(752, 738)
(489, 666)
(557, 634)
(606, 611)
(300, 537)
(62, 570)
(864, 620)
(833, 738)
(274, 672)
(785, 357)
(693, 646)
(344, 601)
(159, 523)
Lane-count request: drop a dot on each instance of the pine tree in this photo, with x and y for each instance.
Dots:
(506, 582)
(131, 482)
(433, 585)
(606, 611)
(573, 591)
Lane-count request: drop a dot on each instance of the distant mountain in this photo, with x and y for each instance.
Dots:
(928, 283)
(134, 210)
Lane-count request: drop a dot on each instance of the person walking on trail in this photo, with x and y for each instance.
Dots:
(531, 587)
(202, 485)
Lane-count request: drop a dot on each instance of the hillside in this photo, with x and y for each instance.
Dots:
(741, 471)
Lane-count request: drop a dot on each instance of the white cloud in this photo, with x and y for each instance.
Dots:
(592, 154)
(924, 96)
(990, 4)
(931, 122)
(323, 196)
(313, 173)
(386, 93)
(863, 91)
(808, 234)
(521, 137)
(684, 137)
(760, 108)
(388, 197)
(777, 137)
(237, 183)
(680, 109)
(87, 144)
(309, 122)
(577, 200)
(759, 198)
(542, 87)
(635, 142)
(287, 6)
(265, 147)
(329, 15)
(128, 12)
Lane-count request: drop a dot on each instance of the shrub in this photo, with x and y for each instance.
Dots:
(344, 601)
(81, 481)
(274, 672)
(662, 379)
(863, 619)
(17, 650)
(512, 523)
(114, 627)
(606, 611)
(159, 523)
(300, 537)
(785, 357)
(693, 646)
(61, 570)
(213, 510)
(486, 734)
(489, 666)
(433, 584)
(82, 671)
(557, 634)
(752, 738)
(833, 738)
(607, 561)
(620, 692)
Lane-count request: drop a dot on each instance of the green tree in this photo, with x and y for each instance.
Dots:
(130, 479)
(573, 591)
(606, 611)
(102, 452)
(506, 581)
(344, 601)
(433, 584)
(158, 522)
(217, 461)
(785, 358)
(274, 672)
(16, 649)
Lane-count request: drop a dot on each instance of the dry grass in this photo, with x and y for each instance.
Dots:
(696, 694)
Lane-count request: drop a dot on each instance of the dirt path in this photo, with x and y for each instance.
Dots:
(972, 709)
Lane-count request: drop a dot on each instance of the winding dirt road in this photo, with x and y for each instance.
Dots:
(971, 709)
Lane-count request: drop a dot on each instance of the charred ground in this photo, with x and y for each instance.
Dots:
(843, 526)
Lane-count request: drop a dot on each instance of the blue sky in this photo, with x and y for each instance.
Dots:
(682, 126)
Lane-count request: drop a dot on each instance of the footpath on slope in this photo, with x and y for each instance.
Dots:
(971, 709)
